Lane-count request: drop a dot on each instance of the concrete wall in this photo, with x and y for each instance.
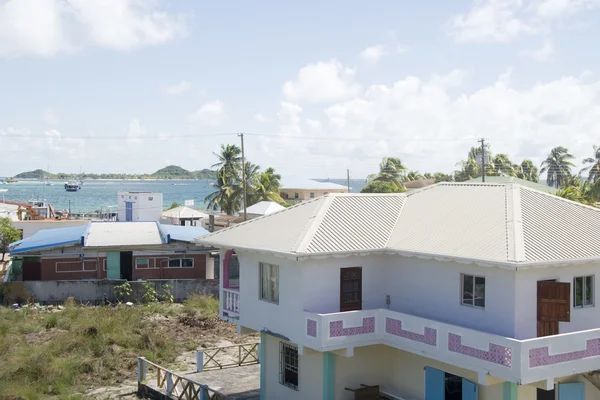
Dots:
(31, 227)
(526, 296)
(93, 291)
(310, 374)
(143, 209)
(303, 194)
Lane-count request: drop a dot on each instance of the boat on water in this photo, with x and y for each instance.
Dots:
(72, 186)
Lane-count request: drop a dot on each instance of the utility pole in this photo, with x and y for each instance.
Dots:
(241, 135)
(482, 141)
(348, 174)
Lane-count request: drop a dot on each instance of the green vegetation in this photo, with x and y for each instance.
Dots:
(229, 192)
(58, 354)
(168, 172)
(381, 187)
(173, 205)
(8, 234)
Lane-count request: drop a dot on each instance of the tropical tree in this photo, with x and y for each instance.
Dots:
(413, 175)
(527, 170)
(390, 170)
(442, 177)
(377, 186)
(502, 165)
(228, 194)
(265, 187)
(593, 166)
(8, 234)
(558, 166)
(229, 158)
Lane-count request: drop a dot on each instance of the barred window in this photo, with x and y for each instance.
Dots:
(288, 365)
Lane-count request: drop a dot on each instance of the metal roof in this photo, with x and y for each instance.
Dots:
(184, 212)
(264, 208)
(512, 179)
(183, 233)
(49, 238)
(503, 223)
(289, 183)
(107, 234)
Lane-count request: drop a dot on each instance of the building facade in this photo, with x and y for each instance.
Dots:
(457, 291)
(139, 206)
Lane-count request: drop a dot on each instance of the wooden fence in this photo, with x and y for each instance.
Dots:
(245, 354)
(173, 385)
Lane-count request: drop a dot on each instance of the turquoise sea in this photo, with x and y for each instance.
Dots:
(102, 194)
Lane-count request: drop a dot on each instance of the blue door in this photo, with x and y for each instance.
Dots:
(435, 384)
(469, 390)
(128, 211)
(571, 391)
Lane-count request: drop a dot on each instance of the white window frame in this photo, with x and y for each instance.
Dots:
(147, 259)
(283, 365)
(81, 263)
(462, 291)
(180, 262)
(583, 290)
(274, 293)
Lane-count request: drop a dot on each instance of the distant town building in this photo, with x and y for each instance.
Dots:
(300, 189)
(139, 206)
(184, 216)
(263, 208)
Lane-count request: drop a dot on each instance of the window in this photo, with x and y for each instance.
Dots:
(312, 195)
(288, 365)
(583, 291)
(473, 291)
(142, 263)
(181, 263)
(296, 195)
(269, 282)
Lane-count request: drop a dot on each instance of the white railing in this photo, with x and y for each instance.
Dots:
(521, 361)
(231, 301)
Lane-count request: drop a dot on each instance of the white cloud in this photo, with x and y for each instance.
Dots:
(314, 124)
(178, 88)
(50, 117)
(322, 82)
(260, 117)
(542, 54)
(49, 27)
(374, 53)
(507, 20)
(210, 114)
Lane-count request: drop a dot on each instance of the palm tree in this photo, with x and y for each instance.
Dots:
(229, 157)
(390, 170)
(527, 170)
(593, 167)
(265, 187)
(502, 165)
(413, 175)
(228, 193)
(558, 166)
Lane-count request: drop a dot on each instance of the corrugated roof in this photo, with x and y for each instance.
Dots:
(264, 208)
(289, 183)
(48, 238)
(501, 222)
(184, 212)
(183, 233)
(106, 234)
(512, 179)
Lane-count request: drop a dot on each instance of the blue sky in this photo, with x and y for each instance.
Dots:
(132, 85)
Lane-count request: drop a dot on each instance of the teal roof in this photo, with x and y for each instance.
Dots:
(512, 179)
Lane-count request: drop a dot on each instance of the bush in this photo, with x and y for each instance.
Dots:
(123, 291)
(149, 294)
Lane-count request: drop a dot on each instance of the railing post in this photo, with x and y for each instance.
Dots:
(199, 361)
(204, 392)
(141, 369)
(169, 382)
(258, 353)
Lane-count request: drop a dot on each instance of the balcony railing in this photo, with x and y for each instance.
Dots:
(521, 361)
(231, 303)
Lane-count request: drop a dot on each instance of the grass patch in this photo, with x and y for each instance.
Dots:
(56, 354)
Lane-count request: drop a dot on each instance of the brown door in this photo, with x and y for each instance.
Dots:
(32, 270)
(351, 289)
(553, 306)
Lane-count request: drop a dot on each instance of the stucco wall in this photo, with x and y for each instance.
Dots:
(310, 374)
(526, 298)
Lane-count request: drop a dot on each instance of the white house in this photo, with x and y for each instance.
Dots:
(184, 216)
(10, 211)
(263, 208)
(139, 206)
(300, 189)
(455, 291)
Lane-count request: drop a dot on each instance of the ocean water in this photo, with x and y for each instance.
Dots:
(102, 194)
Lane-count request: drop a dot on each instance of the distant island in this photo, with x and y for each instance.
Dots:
(168, 172)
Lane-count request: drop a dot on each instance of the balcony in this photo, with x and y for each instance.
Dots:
(520, 361)
(230, 304)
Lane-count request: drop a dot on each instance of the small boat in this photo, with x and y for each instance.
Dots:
(72, 186)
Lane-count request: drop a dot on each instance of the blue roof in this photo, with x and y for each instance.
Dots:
(46, 238)
(183, 233)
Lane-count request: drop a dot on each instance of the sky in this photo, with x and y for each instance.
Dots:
(317, 88)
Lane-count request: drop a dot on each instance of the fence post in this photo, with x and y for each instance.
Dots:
(204, 392)
(169, 382)
(141, 369)
(258, 353)
(199, 361)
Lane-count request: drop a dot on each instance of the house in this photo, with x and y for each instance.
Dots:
(455, 291)
(31, 227)
(418, 184)
(113, 250)
(512, 179)
(10, 211)
(299, 189)
(263, 208)
(184, 216)
(139, 206)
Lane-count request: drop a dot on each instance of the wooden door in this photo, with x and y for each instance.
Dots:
(553, 306)
(32, 270)
(350, 289)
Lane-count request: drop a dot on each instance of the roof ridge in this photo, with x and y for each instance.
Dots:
(561, 198)
(312, 225)
(385, 246)
(515, 245)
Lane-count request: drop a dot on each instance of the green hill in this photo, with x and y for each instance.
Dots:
(168, 172)
(205, 174)
(36, 174)
(172, 172)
